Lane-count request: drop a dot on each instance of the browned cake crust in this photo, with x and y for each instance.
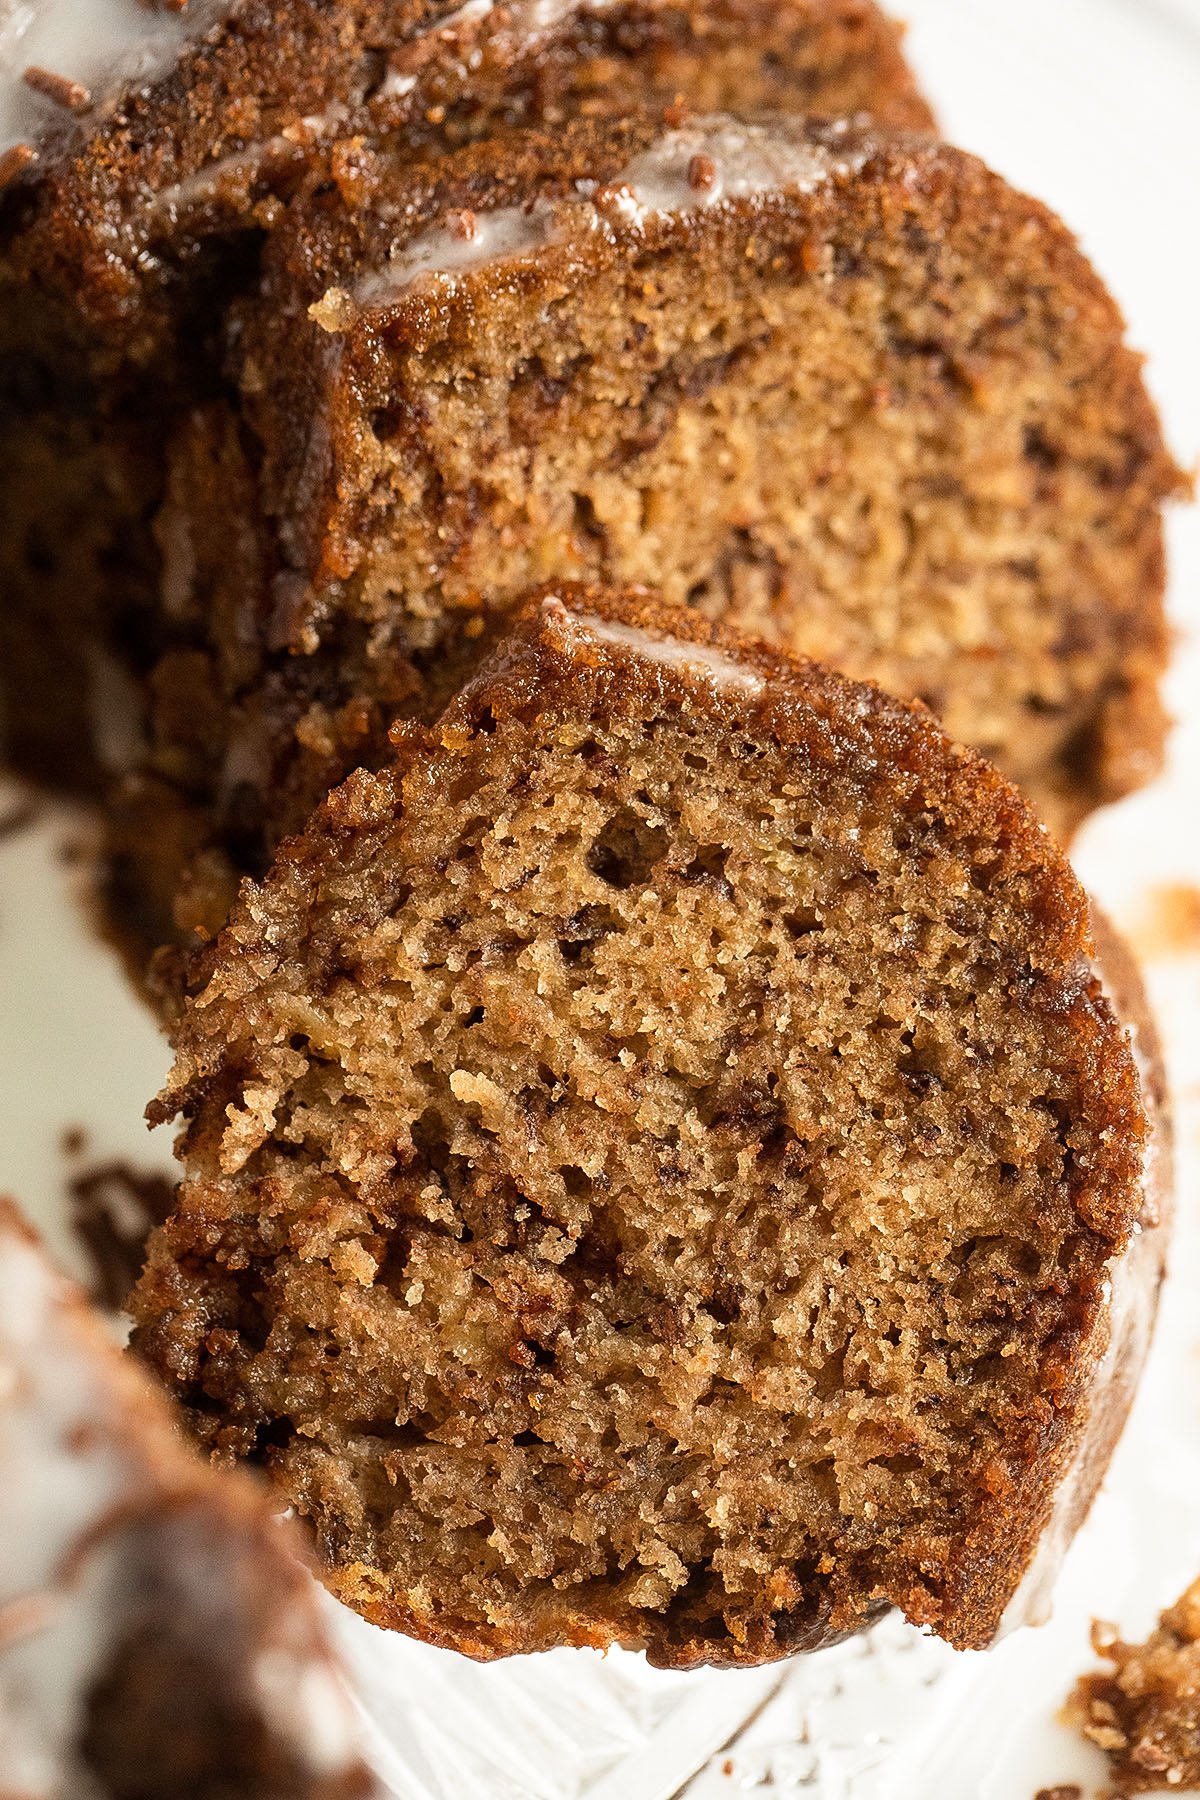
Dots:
(870, 402)
(1145, 1712)
(121, 245)
(161, 1637)
(124, 203)
(660, 1166)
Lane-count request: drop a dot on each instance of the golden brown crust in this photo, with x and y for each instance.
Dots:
(579, 655)
(1122, 1341)
(259, 101)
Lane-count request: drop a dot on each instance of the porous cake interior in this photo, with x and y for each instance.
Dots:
(644, 1191)
(894, 454)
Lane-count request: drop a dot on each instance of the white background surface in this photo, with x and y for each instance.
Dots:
(1094, 105)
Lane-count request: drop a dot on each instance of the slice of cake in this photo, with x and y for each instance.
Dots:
(1144, 1712)
(144, 155)
(847, 389)
(125, 152)
(158, 1634)
(661, 1166)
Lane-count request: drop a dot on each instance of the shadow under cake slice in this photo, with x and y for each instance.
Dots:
(160, 1634)
(660, 1165)
(844, 388)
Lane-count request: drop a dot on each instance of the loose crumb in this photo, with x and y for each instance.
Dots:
(1170, 921)
(1145, 1714)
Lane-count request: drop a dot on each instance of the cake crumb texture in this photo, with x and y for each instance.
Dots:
(653, 1159)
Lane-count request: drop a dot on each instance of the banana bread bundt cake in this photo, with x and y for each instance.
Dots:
(145, 149)
(845, 388)
(158, 1634)
(661, 1166)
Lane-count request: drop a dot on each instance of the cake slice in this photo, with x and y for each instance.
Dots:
(128, 155)
(143, 159)
(844, 388)
(662, 1165)
(159, 1636)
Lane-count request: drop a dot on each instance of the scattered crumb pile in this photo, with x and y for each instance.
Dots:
(1145, 1714)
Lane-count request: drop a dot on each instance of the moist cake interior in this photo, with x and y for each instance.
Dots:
(650, 1175)
(857, 433)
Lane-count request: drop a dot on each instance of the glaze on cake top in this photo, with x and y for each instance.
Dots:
(689, 169)
(91, 50)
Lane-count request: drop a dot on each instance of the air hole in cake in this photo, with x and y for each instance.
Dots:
(587, 521)
(627, 850)
(387, 422)
(708, 864)
(802, 923)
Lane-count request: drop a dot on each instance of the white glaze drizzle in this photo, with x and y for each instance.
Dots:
(671, 653)
(746, 160)
(244, 165)
(75, 1471)
(694, 168)
(506, 234)
(518, 25)
(106, 46)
